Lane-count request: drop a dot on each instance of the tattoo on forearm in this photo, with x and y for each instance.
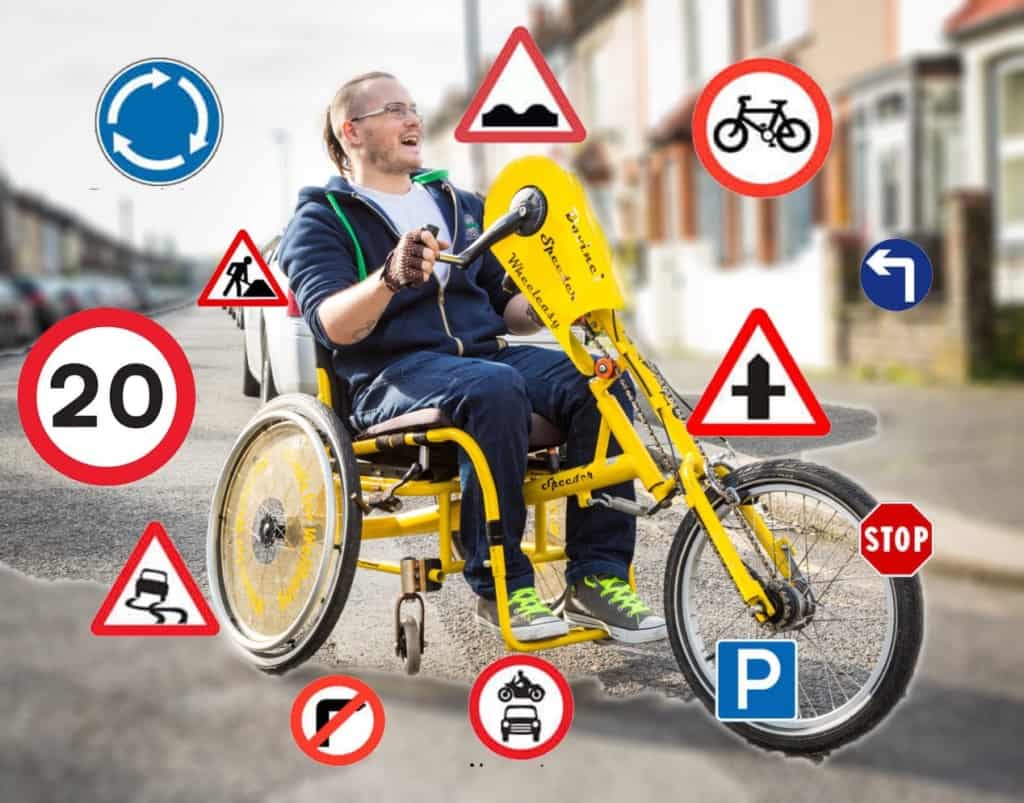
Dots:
(534, 316)
(363, 331)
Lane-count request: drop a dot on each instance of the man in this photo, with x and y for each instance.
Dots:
(417, 334)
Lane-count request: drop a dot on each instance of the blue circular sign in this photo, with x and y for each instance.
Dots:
(159, 121)
(896, 274)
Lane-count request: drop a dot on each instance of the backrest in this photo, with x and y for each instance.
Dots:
(332, 390)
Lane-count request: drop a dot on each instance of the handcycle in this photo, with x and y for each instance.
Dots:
(765, 550)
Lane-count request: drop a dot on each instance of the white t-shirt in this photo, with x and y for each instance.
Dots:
(413, 210)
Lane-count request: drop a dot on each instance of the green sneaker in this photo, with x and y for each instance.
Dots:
(531, 618)
(600, 600)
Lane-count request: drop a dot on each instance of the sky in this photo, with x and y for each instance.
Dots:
(273, 65)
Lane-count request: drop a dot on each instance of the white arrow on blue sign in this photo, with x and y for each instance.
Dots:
(896, 274)
(159, 121)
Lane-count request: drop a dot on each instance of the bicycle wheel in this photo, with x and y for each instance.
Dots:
(730, 135)
(283, 540)
(858, 647)
(793, 135)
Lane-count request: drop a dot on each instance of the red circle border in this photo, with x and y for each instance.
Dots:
(345, 759)
(477, 691)
(185, 389)
(714, 167)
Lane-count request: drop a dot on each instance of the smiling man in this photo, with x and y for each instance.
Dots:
(407, 333)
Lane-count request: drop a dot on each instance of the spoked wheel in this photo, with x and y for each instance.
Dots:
(283, 537)
(549, 577)
(858, 634)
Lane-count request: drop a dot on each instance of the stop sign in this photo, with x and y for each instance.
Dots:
(896, 539)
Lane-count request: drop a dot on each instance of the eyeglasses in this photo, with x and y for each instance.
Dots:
(395, 110)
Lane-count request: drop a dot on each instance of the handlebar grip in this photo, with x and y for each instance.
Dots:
(432, 229)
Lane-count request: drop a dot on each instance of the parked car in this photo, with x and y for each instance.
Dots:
(17, 317)
(45, 308)
(279, 354)
(63, 293)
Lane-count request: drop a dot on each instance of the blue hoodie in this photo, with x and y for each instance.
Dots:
(317, 254)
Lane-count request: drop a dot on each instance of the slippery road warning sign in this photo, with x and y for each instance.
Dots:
(520, 100)
(337, 720)
(155, 595)
(106, 396)
(758, 389)
(242, 279)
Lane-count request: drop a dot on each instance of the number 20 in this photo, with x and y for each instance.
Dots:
(69, 414)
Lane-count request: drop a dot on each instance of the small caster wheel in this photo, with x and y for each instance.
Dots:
(409, 645)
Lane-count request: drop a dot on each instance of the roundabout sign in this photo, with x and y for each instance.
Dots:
(159, 121)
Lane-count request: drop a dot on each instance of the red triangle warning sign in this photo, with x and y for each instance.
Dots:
(520, 100)
(758, 389)
(155, 595)
(242, 279)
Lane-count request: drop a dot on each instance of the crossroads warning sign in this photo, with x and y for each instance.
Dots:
(155, 595)
(520, 100)
(242, 279)
(758, 389)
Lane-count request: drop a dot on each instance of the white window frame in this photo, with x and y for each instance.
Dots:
(1006, 148)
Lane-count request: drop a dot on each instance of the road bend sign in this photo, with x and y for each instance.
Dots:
(520, 100)
(159, 121)
(155, 595)
(337, 720)
(758, 389)
(106, 396)
(242, 279)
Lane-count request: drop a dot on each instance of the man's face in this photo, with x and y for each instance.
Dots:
(389, 142)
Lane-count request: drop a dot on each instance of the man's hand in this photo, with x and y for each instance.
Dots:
(412, 260)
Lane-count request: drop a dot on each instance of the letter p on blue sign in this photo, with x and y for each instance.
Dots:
(756, 680)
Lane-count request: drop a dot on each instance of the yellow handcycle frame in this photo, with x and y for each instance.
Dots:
(566, 272)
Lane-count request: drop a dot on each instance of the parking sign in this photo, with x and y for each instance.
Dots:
(756, 680)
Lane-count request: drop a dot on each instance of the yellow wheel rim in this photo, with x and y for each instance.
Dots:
(273, 531)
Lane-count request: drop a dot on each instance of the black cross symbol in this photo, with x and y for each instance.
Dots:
(758, 390)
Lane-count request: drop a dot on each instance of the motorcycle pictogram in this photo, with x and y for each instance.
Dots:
(521, 686)
(790, 133)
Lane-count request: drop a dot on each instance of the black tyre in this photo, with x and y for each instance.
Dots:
(268, 390)
(283, 536)
(857, 652)
(730, 135)
(250, 384)
(793, 135)
(504, 694)
(410, 646)
(537, 694)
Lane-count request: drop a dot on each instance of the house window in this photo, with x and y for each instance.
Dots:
(890, 173)
(1011, 151)
(859, 170)
(779, 21)
(711, 213)
(767, 22)
(691, 54)
(796, 217)
(670, 176)
(748, 228)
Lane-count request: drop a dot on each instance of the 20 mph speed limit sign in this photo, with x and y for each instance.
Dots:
(106, 396)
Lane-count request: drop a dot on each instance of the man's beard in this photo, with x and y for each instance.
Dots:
(386, 161)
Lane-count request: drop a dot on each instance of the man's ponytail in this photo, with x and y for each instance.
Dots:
(334, 149)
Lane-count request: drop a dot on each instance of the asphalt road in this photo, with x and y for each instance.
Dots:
(97, 718)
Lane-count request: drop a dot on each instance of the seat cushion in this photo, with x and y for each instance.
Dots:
(543, 433)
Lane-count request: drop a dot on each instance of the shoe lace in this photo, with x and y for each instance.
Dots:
(621, 596)
(526, 602)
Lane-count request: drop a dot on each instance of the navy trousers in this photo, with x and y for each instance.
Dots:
(491, 399)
